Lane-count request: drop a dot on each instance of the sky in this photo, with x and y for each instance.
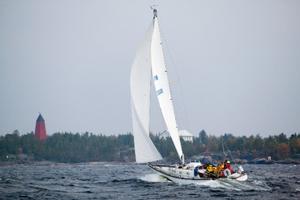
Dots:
(234, 66)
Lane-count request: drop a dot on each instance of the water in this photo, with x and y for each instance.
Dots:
(131, 181)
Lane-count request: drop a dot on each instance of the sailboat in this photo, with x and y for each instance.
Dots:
(149, 66)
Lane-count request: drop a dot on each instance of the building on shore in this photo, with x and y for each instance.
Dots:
(186, 135)
(40, 128)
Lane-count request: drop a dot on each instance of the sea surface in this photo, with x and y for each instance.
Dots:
(45, 180)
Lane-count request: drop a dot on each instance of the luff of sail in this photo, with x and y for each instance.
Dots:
(161, 83)
(140, 78)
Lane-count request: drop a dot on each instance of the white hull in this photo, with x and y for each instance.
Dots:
(186, 175)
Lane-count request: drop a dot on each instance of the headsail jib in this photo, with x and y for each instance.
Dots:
(140, 79)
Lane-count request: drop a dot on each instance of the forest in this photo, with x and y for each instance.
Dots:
(88, 147)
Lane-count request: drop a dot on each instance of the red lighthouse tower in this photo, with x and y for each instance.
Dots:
(40, 128)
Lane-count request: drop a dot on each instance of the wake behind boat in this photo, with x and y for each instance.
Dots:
(149, 65)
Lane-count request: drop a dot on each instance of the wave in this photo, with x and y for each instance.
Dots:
(153, 178)
(226, 184)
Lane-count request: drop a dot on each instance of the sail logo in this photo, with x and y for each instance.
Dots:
(160, 91)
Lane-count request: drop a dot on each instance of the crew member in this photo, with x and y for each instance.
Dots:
(228, 166)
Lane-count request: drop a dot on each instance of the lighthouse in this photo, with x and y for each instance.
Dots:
(40, 128)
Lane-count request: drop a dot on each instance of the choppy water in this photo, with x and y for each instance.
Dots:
(131, 181)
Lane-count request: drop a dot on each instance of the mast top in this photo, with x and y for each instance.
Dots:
(154, 11)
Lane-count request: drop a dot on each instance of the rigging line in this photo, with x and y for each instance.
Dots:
(229, 152)
(223, 148)
(173, 63)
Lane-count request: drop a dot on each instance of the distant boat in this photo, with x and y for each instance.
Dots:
(149, 65)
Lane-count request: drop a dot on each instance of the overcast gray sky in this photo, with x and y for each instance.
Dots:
(234, 65)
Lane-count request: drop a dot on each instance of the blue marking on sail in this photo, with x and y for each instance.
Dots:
(158, 92)
(155, 77)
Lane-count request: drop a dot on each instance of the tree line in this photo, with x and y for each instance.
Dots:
(87, 147)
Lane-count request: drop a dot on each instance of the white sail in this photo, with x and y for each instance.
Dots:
(160, 79)
(145, 150)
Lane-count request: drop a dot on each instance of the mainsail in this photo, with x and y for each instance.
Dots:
(150, 58)
(161, 84)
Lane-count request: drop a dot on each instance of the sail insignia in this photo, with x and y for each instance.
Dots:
(160, 91)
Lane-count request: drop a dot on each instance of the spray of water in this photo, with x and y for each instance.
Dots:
(227, 184)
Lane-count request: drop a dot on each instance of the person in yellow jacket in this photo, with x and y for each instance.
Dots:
(214, 171)
(220, 167)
